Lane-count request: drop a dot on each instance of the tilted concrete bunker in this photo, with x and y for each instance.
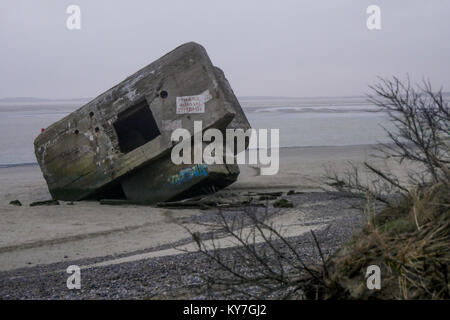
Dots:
(118, 145)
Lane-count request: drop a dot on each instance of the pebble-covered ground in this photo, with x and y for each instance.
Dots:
(183, 276)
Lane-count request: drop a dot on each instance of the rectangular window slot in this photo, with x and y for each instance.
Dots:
(135, 127)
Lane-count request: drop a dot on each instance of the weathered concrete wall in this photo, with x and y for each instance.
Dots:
(80, 153)
(162, 180)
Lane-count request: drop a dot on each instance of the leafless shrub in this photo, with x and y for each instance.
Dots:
(421, 119)
(410, 238)
(261, 262)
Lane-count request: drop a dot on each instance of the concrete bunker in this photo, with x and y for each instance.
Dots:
(122, 142)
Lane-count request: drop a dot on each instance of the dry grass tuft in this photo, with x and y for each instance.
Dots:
(411, 245)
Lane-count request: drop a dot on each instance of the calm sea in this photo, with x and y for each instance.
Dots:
(302, 122)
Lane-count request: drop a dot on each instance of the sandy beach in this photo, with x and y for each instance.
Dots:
(46, 239)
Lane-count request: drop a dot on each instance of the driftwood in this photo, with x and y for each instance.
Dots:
(114, 202)
(45, 203)
(208, 203)
(273, 194)
(15, 203)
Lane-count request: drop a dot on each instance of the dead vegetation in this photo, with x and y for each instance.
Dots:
(409, 239)
(410, 243)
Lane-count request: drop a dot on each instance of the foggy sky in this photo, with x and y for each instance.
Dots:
(266, 48)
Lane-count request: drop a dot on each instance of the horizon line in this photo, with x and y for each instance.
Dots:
(11, 99)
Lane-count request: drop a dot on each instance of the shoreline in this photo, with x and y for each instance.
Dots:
(29, 164)
(42, 234)
(169, 272)
(36, 241)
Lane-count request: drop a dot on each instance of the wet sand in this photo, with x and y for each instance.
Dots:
(135, 252)
(31, 236)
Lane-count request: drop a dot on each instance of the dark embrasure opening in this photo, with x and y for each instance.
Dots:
(135, 127)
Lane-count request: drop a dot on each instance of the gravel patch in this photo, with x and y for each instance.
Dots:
(182, 276)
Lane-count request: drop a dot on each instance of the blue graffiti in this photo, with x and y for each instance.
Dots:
(188, 174)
